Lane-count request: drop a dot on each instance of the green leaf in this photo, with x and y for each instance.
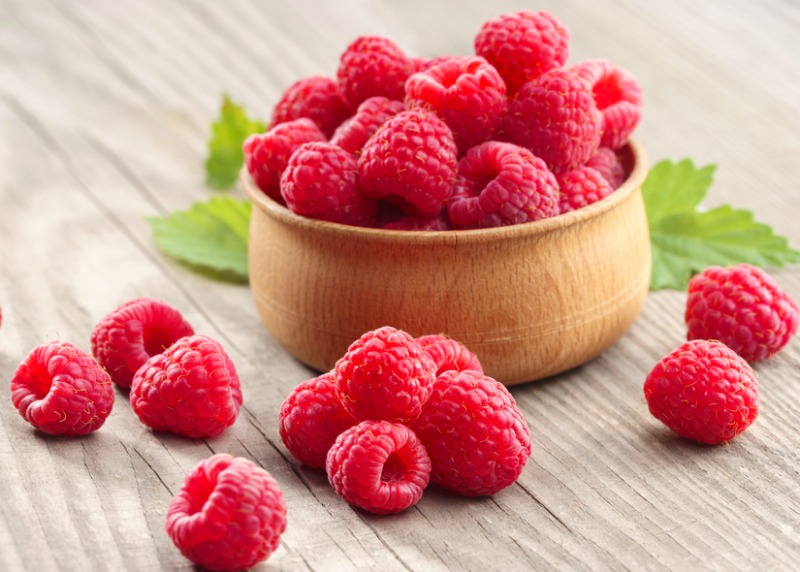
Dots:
(228, 132)
(685, 240)
(210, 236)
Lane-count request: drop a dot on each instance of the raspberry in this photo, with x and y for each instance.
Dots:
(502, 184)
(606, 162)
(317, 98)
(321, 182)
(467, 93)
(267, 154)
(385, 374)
(379, 466)
(555, 116)
(423, 64)
(409, 222)
(411, 161)
(703, 391)
(475, 435)
(618, 97)
(311, 418)
(228, 515)
(371, 114)
(133, 333)
(62, 390)
(744, 308)
(581, 187)
(449, 354)
(523, 46)
(370, 66)
(192, 389)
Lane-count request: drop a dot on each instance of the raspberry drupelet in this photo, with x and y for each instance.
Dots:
(501, 184)
(62, 390)
(229, 514)
(703, 391)
(379, 466)
(133, 333)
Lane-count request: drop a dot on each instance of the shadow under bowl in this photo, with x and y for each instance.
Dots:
(531, 300)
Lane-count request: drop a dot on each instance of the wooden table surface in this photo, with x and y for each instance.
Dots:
(105, 110)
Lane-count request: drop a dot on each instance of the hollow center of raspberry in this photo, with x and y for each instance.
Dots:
(393, 469)
(200, 490)
(40, 380)
(606, 92)
(156, 341)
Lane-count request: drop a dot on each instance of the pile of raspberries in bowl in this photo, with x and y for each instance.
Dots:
(508, 135)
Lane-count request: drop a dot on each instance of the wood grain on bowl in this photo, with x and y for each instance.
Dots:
(530, 300)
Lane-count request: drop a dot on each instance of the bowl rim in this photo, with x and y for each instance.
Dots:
(433, 237)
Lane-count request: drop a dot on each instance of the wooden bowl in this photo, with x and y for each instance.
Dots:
(530, 300)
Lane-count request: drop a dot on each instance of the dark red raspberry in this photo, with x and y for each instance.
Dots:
(379, 466)
(607, 163)
(228, 515)
(321, 182)
(267, 154)
(555, 116)
(411, 160)
(501, 184)
(618, 97)
(311, 418)
(744, 308)
(523, 46)
(318, 98)
(409, 222)
(449, 354)
(703, 391)
(467, 93)
(474, 433)
(370, 66)
(192, 389)
(62, 390)
(385, 374)
(133, 333)
(371, 114)
(581, 187)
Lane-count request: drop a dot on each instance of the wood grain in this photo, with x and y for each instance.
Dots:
(104, 114)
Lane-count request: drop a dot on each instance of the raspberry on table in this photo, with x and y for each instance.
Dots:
(379, 466)
(321, 182)
(311, 418)
(411, 160)
(192, 389)
(229, 514)
(370, 66)
(474, 433)
(523, 45)
(606, 162)
(385, 374)
(61, 390)
(617, 95)
(267, 154)
(703, 391)
(317, 98)
(371, 114)
(581, 187)
(743, 307)
(449, 354)
(467, 93)
(555, 116)
(134, 332)
(501, 184)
